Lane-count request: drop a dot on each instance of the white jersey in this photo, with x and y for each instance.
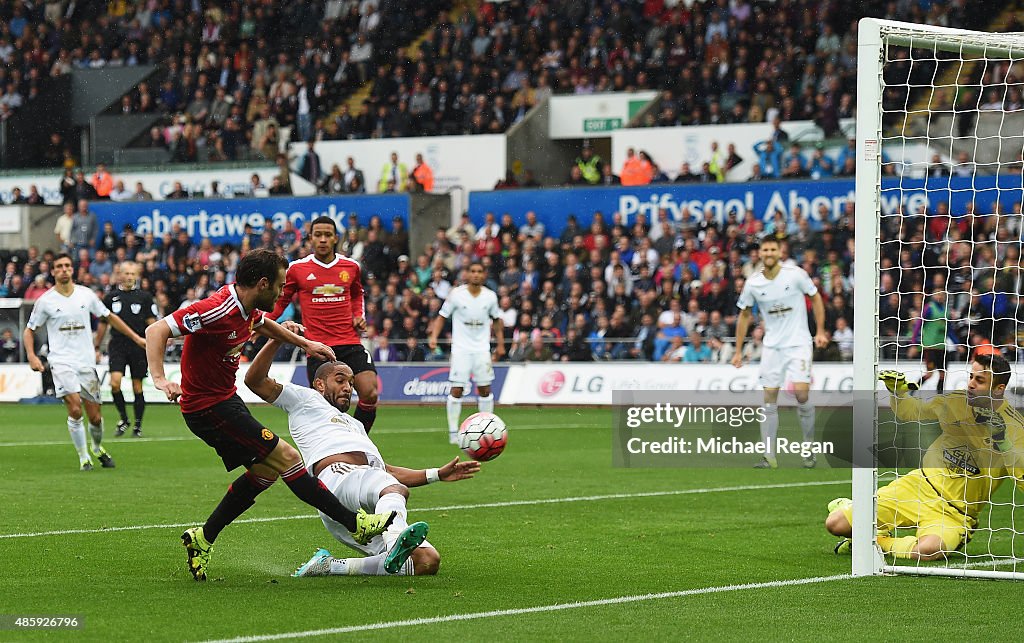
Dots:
(782, 304)
(320, 430)
(68, 322)
(471, 318)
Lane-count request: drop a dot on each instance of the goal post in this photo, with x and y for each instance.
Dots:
(867, 558)
(911, 118)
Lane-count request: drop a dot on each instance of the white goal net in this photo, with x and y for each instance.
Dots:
(940, 130)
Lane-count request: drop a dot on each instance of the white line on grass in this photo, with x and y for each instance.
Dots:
(184, 438)
(557, 607)
(67, 442)
(483, 505)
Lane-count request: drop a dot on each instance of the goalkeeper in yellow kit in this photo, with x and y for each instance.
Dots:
(959, 471)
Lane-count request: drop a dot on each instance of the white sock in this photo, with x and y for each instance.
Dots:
(369, 566)
(77, 431)
(770, 427)
(805, 412)
(486, 404)
(96, 432)
(393, 502)
(454, 412)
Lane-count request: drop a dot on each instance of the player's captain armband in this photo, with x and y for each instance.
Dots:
(192, 322)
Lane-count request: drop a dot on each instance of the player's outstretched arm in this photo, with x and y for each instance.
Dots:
(157, 335)
(451, 472)
(272, 330)
(258, 379)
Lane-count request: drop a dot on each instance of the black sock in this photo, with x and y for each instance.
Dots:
(240, 496)
(313, 492)
(366, 415)
(119, 403)
(140, 408)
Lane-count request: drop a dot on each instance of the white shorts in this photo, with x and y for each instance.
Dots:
(476, 364)
(68, 380)
(356, 486)
(785, 364)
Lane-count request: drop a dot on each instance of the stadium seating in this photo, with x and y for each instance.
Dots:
(240, 81)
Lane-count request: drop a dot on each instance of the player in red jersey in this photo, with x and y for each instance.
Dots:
(216, 329)
(330, 291)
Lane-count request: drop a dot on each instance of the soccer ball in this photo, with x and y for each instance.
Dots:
(483, 436)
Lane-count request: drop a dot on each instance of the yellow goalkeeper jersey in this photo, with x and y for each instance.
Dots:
(976, 451)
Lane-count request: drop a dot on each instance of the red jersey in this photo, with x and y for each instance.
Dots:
(330, 295)
(216, 328)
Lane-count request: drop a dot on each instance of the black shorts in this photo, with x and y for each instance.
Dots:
(935, 358)
(352, 354)
(239, 439)
(129, 357)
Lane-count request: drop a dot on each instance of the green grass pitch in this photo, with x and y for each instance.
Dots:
(580, 531)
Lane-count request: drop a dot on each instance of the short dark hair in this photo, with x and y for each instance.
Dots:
(476, 262)
(998, 365)
(771, 238)
(327, 369)
(63, 255)
(325, 220)
(256, 265)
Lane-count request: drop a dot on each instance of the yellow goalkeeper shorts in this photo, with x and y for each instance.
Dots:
(910, 501)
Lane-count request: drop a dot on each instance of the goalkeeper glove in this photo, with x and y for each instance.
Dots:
(896, 382)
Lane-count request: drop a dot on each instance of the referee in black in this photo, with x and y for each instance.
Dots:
(137, 309)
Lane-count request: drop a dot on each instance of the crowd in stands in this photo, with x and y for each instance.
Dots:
(599, 290)
(239, 80)
(951, 282)
(394, 176)
(775, 159)
(251, 76)
(235, 78)
(721, 61)
(659, 290)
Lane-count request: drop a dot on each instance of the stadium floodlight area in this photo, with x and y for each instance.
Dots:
(910, 79)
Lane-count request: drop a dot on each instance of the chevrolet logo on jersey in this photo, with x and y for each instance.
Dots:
(475, 323)
(329, 290)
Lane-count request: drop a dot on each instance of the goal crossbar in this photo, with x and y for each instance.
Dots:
(956, 41)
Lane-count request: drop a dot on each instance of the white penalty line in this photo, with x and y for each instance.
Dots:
(557, 607)
(483, 505)
(185, 438)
